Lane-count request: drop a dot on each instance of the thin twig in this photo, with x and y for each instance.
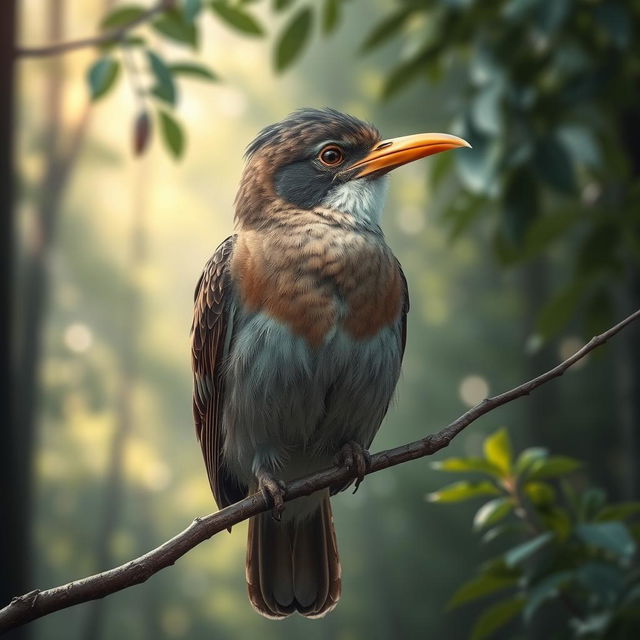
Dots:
(134, 77)
(113, 35)
(36, 604)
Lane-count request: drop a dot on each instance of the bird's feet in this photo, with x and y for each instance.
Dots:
(273, 491)
(356, 458)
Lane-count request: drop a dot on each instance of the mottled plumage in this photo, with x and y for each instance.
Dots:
(298, 335)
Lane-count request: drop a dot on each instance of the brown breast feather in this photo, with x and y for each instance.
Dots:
(312, 275)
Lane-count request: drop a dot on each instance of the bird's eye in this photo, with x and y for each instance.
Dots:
(331, 156)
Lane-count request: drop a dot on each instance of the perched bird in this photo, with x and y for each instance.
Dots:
(298, 335)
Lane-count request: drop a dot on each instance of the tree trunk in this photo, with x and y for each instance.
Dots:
(628, 346)
(15, 470)
(29, 301)
(27, 337)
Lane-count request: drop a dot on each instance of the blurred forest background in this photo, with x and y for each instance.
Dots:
(514, 252)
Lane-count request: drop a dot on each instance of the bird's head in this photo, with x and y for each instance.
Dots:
(321, 158)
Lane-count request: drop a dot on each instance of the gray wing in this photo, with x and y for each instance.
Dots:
(211, 334)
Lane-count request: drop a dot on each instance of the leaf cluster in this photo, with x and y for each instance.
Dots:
(155, 81)
(564, 546)
(542, 94)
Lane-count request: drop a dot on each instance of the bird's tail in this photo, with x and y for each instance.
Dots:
(294, 565)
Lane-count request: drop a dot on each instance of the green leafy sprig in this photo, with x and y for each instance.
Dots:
(564, 545)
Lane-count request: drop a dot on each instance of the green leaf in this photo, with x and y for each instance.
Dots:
(174, 26)
(459, 491)
(486, 108)
(492, 512)
(553, 164)
(557, 520)
(121, 16)
(540, 493)
(553, 467)
(551, 15)
(635, 531)
(496, 616)
(458, 465)
(385, 30)
(520, 530)
(127, 41)
(478, 167)
(164, 87)
(293, 38)
(497, 450)
(528, 457)
(520, 9)
(612, 537)
(281, 5)
(615, 20)
(237, 18)
(480, 586)
(497, 567)
(592, 500)
(593, 626)
(330, 15)
(619, 511)
(193, 70)
(102, 76)
(605, 581)
(581, 144)
(191, 9)
(547, 588)
(133, 41)
(172, 134)
(523, 551)
(632, 594)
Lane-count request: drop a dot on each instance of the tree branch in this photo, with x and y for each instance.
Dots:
(36, 604)
(108, 36)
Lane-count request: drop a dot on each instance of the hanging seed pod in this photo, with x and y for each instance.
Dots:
(141, 133)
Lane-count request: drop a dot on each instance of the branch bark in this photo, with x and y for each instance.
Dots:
(93, 41)
(36, 604)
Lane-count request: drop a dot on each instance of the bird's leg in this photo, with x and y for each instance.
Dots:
(356, 458)
(273, 491)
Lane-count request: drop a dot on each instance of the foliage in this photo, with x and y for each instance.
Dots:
(156, 84)
(542, 93)
(567, 547)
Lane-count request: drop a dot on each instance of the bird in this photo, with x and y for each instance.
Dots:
(298, 335)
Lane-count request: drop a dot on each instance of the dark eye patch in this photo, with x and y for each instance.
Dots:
(303, 184)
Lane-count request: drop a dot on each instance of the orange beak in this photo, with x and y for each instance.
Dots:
(392, 153)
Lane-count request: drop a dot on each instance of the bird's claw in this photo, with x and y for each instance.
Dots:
(273, 491)
(356, 458)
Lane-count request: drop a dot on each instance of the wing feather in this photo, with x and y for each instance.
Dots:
(405, 308)
(212, 331)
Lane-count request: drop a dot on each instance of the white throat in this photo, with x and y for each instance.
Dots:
(363, 199)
